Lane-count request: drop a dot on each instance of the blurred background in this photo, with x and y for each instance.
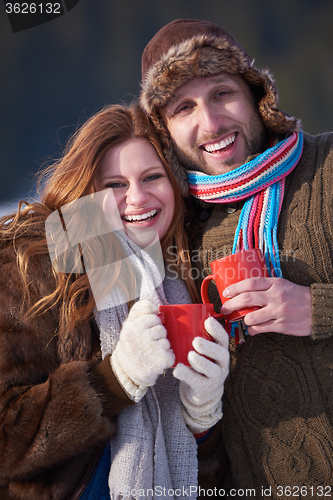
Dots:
(55, 75)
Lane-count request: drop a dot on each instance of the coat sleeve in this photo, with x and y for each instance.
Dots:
(52, 407)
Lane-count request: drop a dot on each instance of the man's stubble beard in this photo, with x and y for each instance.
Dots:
(256, 142)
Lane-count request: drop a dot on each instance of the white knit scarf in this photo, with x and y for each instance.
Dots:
(153, 454)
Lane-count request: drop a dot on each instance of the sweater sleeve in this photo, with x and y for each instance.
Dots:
(306, 229)
(322, 307)
(321, 213)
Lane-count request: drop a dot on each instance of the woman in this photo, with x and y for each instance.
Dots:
(59, 394)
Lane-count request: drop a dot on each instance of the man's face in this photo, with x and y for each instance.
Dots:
(214, 123)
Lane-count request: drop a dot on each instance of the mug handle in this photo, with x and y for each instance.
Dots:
(204, 294)
(204, 288)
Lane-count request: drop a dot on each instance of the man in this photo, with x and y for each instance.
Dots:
(267, 185)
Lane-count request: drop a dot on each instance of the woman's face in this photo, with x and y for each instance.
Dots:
(141, 187)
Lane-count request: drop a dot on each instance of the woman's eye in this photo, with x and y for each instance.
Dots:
(226, 92)
(153, 177)
(113, 185)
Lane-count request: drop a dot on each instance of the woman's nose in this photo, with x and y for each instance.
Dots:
(137, 195)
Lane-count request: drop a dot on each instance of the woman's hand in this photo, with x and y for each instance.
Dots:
(143, 352)
(201, 386)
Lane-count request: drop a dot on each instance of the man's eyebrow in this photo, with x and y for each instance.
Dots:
(220, 78)
(174, 99)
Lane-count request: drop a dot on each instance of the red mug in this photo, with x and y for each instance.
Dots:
(230, 270)
(183, 323)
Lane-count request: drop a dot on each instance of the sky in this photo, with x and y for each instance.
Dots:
(56, 74)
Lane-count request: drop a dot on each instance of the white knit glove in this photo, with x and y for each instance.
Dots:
(143, 352)
(201, 387)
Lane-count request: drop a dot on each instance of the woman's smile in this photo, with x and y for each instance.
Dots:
(141, 186)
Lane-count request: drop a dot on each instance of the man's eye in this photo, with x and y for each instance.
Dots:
(182, 108)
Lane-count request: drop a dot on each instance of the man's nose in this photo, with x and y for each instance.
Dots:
(209, 120)
(137, 195)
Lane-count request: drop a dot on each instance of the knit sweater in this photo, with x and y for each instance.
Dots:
(277, 426)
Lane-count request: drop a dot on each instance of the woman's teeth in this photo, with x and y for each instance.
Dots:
(211, 148)
(142, 217)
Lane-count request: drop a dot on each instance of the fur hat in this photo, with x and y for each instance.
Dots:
(187, 48)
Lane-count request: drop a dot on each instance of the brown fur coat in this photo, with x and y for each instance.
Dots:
(58, 400)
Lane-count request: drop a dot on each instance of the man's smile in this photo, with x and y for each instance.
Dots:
(220, 145)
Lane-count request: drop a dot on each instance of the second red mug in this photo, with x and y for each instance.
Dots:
(230, 270)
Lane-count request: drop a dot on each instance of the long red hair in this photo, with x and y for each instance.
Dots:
(72, 177)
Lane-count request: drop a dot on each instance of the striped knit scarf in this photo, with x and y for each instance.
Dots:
(261, 182)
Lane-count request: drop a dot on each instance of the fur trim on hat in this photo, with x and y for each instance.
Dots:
(200, 56)
(206, 55)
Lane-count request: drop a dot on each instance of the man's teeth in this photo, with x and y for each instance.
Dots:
(220, 145)
(140, 218)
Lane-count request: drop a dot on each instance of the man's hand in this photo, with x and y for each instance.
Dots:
(285, 306)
